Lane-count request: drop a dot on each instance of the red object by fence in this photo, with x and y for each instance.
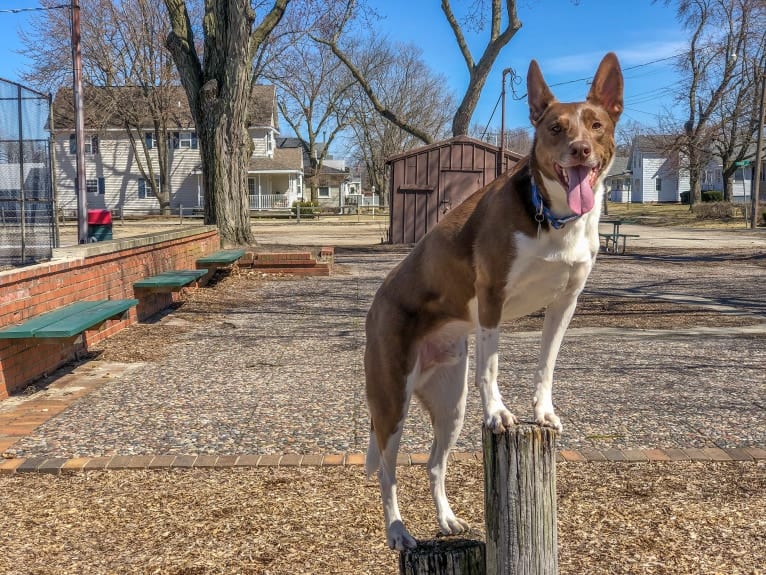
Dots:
(99, 217)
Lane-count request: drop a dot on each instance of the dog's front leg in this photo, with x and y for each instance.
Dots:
(496, 416)
(557, 317)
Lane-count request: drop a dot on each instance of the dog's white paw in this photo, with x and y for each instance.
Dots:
(547, 418)
(399, 538)
(499, 419)
(452, 525)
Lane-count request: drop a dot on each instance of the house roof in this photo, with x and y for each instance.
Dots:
(101, 107)
(619, 166)
(659, 143)
(285, 159)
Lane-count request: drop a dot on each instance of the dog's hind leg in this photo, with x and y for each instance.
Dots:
(444, 396)
(396, 533)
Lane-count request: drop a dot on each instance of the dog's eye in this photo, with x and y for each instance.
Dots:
(596, 125)
(555, 128)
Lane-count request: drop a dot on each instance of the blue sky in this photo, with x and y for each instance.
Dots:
(567, 38)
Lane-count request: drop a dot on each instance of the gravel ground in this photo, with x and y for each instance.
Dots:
(229, 371)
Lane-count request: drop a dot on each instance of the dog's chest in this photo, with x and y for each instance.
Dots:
(543, 271)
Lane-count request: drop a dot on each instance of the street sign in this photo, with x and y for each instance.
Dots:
(742, 163)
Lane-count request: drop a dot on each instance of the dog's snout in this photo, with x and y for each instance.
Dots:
(580, 150)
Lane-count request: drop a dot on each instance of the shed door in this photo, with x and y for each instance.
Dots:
(457, 186)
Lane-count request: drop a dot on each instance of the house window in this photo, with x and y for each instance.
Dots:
(269, 142)
(251, 186)
(324, 192)
(150, 141)
(90, 146)
(183, 140)
(97, 186)
(144, 191)
(658, 184)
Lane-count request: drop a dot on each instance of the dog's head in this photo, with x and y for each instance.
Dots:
(574, 142)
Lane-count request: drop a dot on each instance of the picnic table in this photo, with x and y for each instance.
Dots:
(612, 239)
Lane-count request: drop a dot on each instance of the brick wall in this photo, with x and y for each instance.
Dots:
(104, 270)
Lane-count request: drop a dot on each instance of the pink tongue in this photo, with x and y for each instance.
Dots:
(580, 196)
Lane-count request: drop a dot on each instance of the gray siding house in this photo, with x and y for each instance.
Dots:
(115, 182)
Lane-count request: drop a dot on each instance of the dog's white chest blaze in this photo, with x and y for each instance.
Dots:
(545, 268)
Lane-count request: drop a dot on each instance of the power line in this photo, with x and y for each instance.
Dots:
(37, 9)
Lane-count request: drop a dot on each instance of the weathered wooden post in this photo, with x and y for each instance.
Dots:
(520, 501)
(444, 557)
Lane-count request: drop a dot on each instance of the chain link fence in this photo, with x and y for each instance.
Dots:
(27, 209)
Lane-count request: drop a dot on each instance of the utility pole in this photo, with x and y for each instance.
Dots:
(500, 168)
(755, 189)
(79, 127)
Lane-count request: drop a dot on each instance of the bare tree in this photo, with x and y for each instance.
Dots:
(503, 23)
(217, 86)
(719, 30)
(404, 83)
(130, 74)
(315, 90)
(735, 120)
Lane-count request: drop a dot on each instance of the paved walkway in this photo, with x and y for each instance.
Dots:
(273, 375)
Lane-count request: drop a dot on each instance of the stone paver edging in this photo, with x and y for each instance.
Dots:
(57, 465)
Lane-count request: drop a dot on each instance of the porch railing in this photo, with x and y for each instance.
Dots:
(268, 202)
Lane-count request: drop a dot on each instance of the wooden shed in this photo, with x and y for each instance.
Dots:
(427, 182)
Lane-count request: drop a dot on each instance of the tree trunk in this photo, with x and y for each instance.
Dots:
(520, 501)
(444, 557)
(218, 94)
(224, 172)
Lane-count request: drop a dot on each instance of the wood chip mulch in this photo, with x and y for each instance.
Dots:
(659, 519)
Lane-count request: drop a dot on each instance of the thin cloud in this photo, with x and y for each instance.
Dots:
(628, 55)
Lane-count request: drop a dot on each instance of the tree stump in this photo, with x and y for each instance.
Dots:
(443, 557)
(520, 501)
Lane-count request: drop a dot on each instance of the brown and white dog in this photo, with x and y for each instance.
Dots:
(526, 241)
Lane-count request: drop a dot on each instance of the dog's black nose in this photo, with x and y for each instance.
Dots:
(580, 149)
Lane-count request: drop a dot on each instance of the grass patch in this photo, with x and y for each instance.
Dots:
(672, 215)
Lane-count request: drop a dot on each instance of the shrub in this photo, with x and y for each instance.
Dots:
(712, 196)
(308, 208)
(684, 197)
(714, 210)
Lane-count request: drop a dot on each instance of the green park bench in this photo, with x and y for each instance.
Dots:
(219, 259)
(612, 242)
(169, 281)
(69, 321)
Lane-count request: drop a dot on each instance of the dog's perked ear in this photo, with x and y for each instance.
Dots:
(606, 90)
(539, 95)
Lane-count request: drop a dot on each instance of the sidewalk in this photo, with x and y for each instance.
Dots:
(273, 366)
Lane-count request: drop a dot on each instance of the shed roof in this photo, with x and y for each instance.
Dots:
(456, 140)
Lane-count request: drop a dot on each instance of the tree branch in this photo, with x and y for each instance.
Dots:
(270, 21)
(459, 37)
(365, 85)
(180, 42)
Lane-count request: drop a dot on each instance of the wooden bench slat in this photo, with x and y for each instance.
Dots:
(78, 323)
(28, 327)
(81, 313)
(177, 278)
(221, 257)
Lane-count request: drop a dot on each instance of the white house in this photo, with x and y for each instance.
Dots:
(657, 175)
(742, 186)
(617, 181)
(113, 178)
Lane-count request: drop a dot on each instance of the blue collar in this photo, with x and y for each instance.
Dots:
(543, 213)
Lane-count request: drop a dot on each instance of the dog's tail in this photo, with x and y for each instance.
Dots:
(372, 461)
